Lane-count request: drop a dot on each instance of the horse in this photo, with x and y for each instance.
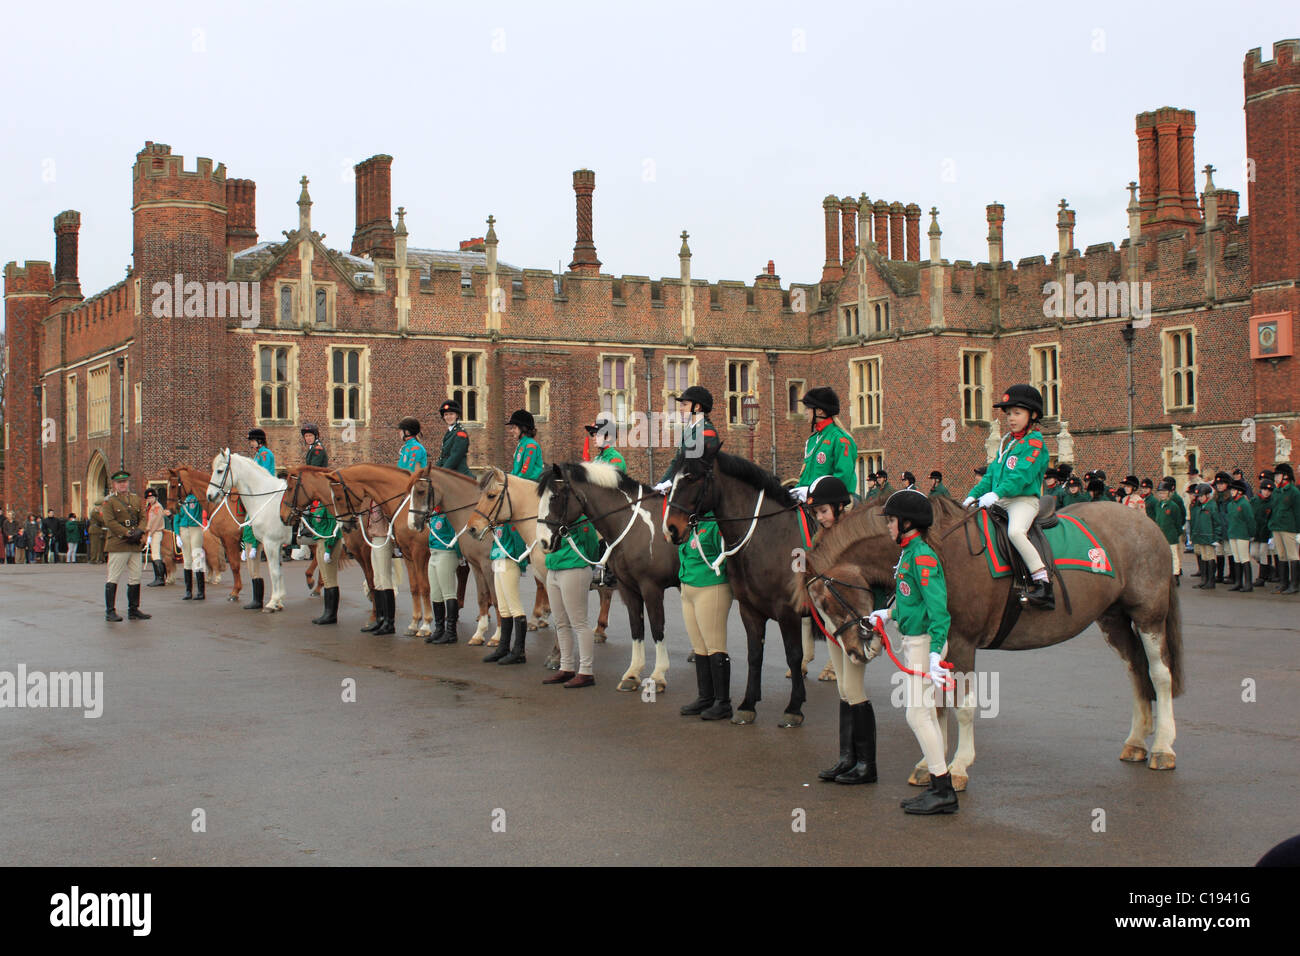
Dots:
(454, 494)
(1137, 611)
(753, 510)
(509, 499)
(307, 483)
(622, 510)
(261, 492)
(222, 531)
(389, 487)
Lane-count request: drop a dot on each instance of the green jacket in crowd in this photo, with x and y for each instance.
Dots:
(692, 568)
(1240, 519)
(1169, 516)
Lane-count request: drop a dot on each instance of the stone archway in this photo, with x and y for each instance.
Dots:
(97, 486)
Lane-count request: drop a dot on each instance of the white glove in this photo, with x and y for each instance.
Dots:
(968, 502)
(878, 617)
(663, 486)
(938, 673)
(243, 554)
(801, 493)
(397, 552)
(252, 554)
(1270, 544)
(326, 557)
(988, 499)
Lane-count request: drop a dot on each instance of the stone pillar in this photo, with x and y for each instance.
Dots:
(1211, 224)
(936, 272)
(403, 273)
(584, 250)
(864, 222)
(494, 296)
(832, 270)
(688, 296)
(1134, 230)
(897, 252)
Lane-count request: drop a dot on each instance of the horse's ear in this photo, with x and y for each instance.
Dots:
(555, 470)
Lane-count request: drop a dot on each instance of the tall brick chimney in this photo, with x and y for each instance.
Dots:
(913, 214)
(1166, 168)
(832, 270)
(241, 214)
(584, 250)
(374, 234)
(66, 285)
(897, 252)
(849, 228)
(880, 228)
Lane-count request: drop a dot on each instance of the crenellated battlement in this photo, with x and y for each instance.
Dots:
(1283, 67)
(34, 275)
(158, 174)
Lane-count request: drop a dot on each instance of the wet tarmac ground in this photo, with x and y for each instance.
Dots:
(443, 759)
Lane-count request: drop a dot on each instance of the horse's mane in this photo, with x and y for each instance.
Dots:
(857, 523)
(452, 474)
(310, 469)
(489, 475)
(751, 474)
(599, 473)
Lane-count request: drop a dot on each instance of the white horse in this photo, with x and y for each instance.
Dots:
(260, 492)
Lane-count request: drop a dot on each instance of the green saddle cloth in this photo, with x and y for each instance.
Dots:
(1074, 548)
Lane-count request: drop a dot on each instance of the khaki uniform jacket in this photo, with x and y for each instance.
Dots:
(122, 515)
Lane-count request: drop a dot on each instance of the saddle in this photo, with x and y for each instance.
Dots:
(1046, 518)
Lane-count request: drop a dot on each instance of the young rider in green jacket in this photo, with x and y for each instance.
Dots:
(706, 603)
(1169, 516)
(829, 450)
(1240, 529)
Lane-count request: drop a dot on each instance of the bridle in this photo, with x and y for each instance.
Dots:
(430, 497)
(493, 515)
(862, 621)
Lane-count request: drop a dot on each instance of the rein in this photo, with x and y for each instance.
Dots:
(361, 524)
(562, 528)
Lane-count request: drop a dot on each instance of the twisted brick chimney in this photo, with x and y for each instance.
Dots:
(584, 250)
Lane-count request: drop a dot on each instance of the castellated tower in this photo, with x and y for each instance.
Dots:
(1273, 150)
(180, 229)
(27, 300)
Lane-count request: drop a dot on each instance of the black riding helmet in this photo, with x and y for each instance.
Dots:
(910, 505)
(450, 405)
(822, 398)
(828, 490)
(1023, 396)
(409, 424)
(309, 429)
(697, 395)
(257, 435)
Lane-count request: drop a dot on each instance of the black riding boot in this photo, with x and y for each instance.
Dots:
(1234, 574)
(189, 586)
(439, 622)
(331, 613)
(389, 597)
(1283, 577)
(720, 663)
(704, 686)
(846, 745)
(516, 655)
(1294, 586)
(133, 604)
(940, 798)
(259, 594)
(1218, 571)
(375, 605)
(452, 619)
(1247, 579)
(503, 648)
(864, 746)
(199, 595)
(1260, 581)
(157, 581)
(110, 603)
(1210, 579)
(1040, 595)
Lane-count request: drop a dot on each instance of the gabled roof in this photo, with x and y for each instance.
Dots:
(257, 261)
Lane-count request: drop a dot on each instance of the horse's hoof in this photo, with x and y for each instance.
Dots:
(826, 674)
(552, 665)
(412, 630)
(919, 778)
(661, 686)
(233, 597)
(629, 683)
(959, 781)
(744, 717)
(1161, 761)
(474, 641)
(1133, 754)
(494, 642)
(790, 720)
(424, 631)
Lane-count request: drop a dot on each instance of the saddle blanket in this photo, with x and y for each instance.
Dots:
(1073, 548)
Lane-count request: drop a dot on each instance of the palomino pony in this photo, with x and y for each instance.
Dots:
(762, 530)
(221, 533)
(1137, 610)
(389, 487)
(509, 499)
(308, 483)
(623, 512)
(261, 492)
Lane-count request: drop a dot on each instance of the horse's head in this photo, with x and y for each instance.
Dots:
(841, 597)
(220, 483)
(558, 508)
(347, 504)
(174, 485)
(425, 499)
(295, 501)
(493, 503)
(694, 494)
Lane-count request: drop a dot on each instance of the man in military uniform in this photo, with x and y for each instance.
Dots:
(123, 516)
(454, 454)
(938, 487)
(316, 454)
(699, 435)
(830, 450)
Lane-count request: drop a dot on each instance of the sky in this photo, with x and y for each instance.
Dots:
(732, 120)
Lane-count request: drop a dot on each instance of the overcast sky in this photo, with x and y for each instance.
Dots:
(731, 120)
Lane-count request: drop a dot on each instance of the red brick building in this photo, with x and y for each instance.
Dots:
(174, 362)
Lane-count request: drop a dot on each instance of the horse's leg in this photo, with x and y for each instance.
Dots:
(755, 625)
(631, 678)
(602, 616)
(311, 573)
(1162, 746)
(232, 559)
(462, 579)
(793, 641)
(276, 600)
(965, 701)
(482, 581)
(541, 609)
(654, 605)
(413, 587)
(1119, 634)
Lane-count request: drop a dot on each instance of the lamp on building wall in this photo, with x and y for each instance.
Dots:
(749, 415)
(121, 431)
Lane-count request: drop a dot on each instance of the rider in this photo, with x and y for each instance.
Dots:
(1169, 515)
(455, 442)
(189, 528)
(830, 501)
(1206, 529)
(1262, 545)
(251, 546)
(921, 613)
(601, 431)
(324, 526)
(316, 454)
(829, 450)
(1015, 477)
(509, 554)
(1284, 523)
(938, 488)
(699, 435)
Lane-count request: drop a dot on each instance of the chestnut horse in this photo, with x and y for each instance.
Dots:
(222, 532)
(1137, 610)
(307, 483)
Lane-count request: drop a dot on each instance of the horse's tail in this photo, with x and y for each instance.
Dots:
(341, 556)
(1174, 641)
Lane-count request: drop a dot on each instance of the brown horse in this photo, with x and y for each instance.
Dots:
(222, 532)
(1137, 610)
(389, 487)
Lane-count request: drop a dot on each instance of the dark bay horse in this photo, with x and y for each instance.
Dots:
(1137, 609)
(624, 513)
(762, 523)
